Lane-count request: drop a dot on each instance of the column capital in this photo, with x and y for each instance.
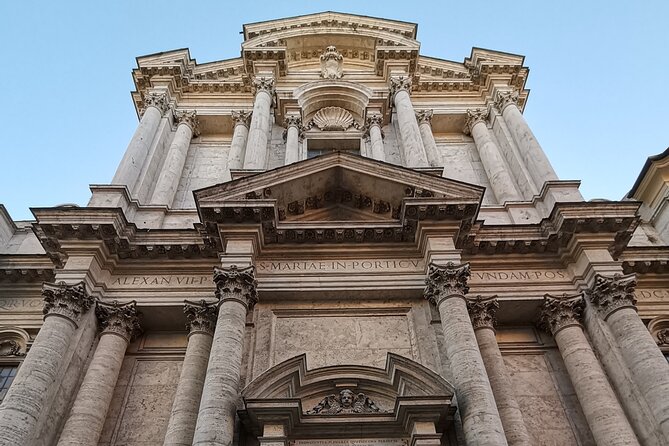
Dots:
(241, 117)
(200, 316)
(265, 84)
(293, 121)
(374, 119)
(119, 319)
(504, 98)
(400, 83)
(483, 311)
(68, 301)
(424, 117)
(160, 100)
(444, 281)
(189, 118)
(474, 116)
(609, 294)
(233, 283)
(558, 312)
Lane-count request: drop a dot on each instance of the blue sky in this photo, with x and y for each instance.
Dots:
(598, 75)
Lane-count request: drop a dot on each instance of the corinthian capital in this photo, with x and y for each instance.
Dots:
(505, 98)
(265, 84)
(119, 319)
(399, 83)
(474, 117)
(160, 100)
(200, 316)
(235, 283)
(558, 312)
(482, 311)
(68, 301)
(424, 116)
(189, 118)
(444, 281)
(374, 119)
(241, 117)
(610, 294)
(293, 120)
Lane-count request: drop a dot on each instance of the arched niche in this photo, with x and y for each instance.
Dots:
(316, 95)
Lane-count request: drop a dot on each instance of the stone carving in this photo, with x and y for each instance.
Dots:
(293, 120)
(424, 116)
(265, 84)
(70, 301)
(400, 83)
(505, 98)
(120, 319)
(200, 316)
(474, 117)
(333, 118)
(158, 100)
(236, 283)
(482, 311)
(609, 294)
(188, 117)
(9, 347)
(346, 402)
(447, 280)
(374, 119)
(241, 117)
(663, 337)
(558, 312)
(332, 64)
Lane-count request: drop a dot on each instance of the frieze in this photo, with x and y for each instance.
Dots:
(658, 294)
(161, 280)
(361, 265)
(350, 442)
(19, 304)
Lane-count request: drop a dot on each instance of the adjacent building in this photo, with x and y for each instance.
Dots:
(334, 240)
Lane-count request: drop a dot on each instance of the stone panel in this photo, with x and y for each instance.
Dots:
(462, 162)
(206, 165)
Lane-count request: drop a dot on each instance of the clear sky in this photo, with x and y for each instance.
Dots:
(598, 75)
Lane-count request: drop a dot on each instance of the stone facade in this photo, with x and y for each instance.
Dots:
(335, 240)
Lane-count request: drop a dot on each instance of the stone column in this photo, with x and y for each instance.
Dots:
(119, 323)
(236, 291)
(613, 298)
(256, 145)
(414, 152)
(376, 137)
(446, 288)
(238, 145)
(561, 317)
(201, 317)
(293, 124)
(25, 400)
(501, 181)
(155, 106)
(424, 118)
(482, 312)
(536, 162)
(170, 174)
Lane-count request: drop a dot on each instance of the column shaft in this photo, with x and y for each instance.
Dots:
(424, 118)
(414, 152)
(293, 124)
(256, 146)
(238, 146)
(376, 143)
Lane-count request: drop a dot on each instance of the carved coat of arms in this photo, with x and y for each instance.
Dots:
(331, 64)
(346, 402)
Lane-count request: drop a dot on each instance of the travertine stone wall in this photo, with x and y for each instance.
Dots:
(462, 162)
(510, 151)
(206, 165)
(277, 147)
(154, 160)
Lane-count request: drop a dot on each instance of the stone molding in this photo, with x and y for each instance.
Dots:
(399, 83)
(474, 116)
(234, 283)
(189, 118)
(242, 117)
(68, 301)
(201, 316)
(444, 281)
(558, 312)
(424, 116)
(265, 84)
(483, 311)
(119, 319)
(610, 294)
(159, 100)
(332, 63)
(505, 98)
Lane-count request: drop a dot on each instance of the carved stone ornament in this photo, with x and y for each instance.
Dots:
(265, 84)
(558, 312)
(120, 319)
(399, 83)
(333, 118)
(293, 120)
(332, 64)
(347, 402)
(505, 98)
(10, 347)
(610, 294)
(69, 301)
(482, 311)
(235, 283)
(158, 100)
(189, 118)
(200, 316)
(424, 116)
(474, 117)
(242, 117)
(444, 281)
(663, 337)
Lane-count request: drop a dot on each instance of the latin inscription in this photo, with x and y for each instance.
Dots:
(20, 304)
(340, 265)
(161, 281)
(360, 442)
(652, 294)
(518, 276)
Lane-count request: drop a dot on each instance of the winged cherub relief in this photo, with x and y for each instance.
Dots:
(345, 403)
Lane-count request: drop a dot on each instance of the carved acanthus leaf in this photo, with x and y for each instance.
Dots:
(444, 281)
(265, 84)
(201, 316)
(474, 117)
(505, 98)
(70, 301)
(424, 116)
(558, 312)
(235, 283)
(189, 118)
(610, 294)
(347, 402)
(400, 83)
(482, 311)
(120, 319)
(241, 117)
(160, 100)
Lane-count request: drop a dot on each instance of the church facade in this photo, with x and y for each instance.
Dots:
(333, 240)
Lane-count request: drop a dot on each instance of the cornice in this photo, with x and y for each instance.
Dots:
(30, 268)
